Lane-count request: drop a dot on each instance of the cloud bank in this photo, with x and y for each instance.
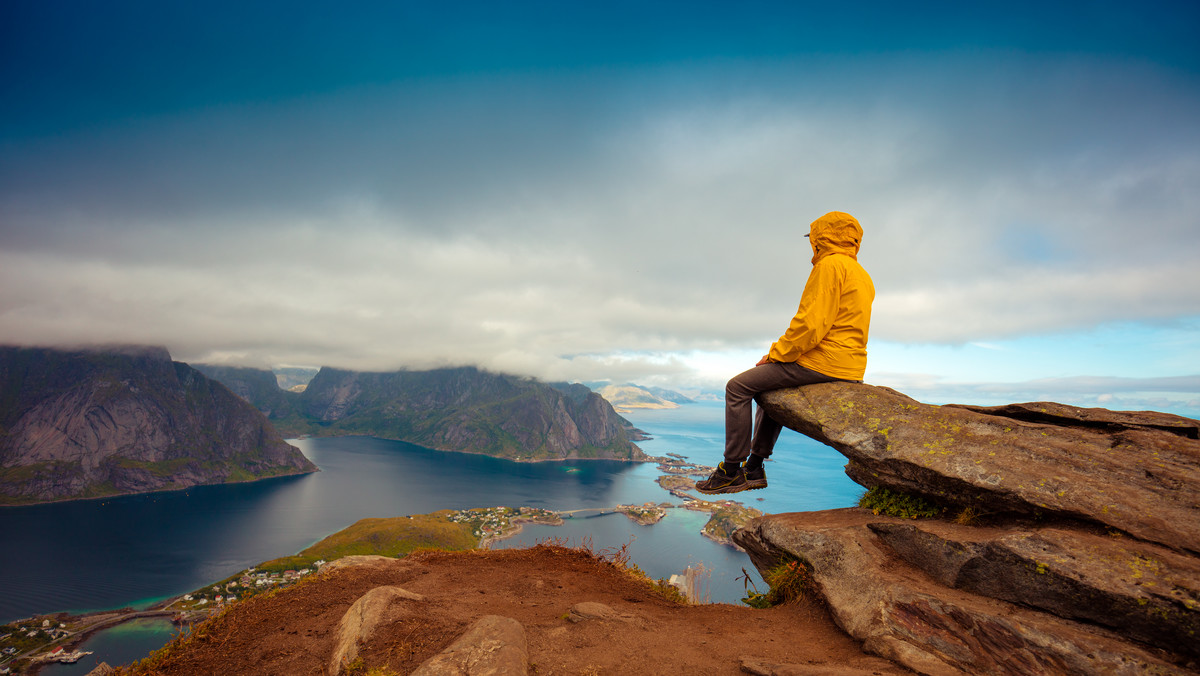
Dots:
(572, 226)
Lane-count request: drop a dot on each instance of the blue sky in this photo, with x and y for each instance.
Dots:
(585, 191)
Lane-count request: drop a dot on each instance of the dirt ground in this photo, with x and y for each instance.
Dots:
(293, 632)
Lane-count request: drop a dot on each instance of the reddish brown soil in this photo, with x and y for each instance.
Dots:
(292, 632)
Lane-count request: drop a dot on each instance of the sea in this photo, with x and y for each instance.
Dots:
(135, 550)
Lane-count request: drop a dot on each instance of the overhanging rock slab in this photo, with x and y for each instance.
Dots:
(1139, 473)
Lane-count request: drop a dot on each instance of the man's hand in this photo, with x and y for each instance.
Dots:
(766, 359)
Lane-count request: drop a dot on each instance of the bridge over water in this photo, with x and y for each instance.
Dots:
(596, 511)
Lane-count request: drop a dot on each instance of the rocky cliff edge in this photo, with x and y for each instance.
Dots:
(1068, 539)
(542, 610)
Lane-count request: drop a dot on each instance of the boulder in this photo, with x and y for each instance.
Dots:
(359, 623)
(592, 610)
(757, 667)
(1135, 472)
(356, 560)
(493, 646)
(1146, 592)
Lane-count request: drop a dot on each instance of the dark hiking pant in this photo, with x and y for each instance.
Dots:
(743, 389)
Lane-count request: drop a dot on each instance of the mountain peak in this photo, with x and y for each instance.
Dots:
(101, 421)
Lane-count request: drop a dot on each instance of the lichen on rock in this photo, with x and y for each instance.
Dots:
(1080, 553)
(1061, 465)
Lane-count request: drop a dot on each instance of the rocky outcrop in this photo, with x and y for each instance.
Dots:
(354, 560)
(88, 423)
(592, 610)
(1084, 559)
(901, 611)
(757, 667)
(1144, 591)
(579, 615)
(360, 622)
(1139, 475)
(493, 646)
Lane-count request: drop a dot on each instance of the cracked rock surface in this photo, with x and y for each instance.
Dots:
(1084, 559)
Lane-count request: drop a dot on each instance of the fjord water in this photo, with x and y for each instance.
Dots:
(132, 550)
(127, 642)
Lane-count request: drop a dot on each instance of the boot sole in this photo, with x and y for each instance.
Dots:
(726, 489)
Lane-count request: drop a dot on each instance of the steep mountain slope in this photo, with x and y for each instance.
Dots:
(455, 409)
(259, 387)
(627, 397)
(669, 395)
(87, 423)
(466, 409)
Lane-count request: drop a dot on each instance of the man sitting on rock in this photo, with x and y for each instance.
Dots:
(826, 341)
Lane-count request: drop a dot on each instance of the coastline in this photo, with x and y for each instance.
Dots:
(109, 496)
(644, 457)
(676, 466)
(515, 526)
(100, 620)
(725, 515)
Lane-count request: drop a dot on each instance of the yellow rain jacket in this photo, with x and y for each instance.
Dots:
(829, 332)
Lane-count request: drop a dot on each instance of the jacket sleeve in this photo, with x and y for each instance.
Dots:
(814, 317)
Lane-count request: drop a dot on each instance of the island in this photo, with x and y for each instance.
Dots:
(645, 514)
(727, 517)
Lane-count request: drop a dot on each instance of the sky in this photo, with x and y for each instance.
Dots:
(611, 191)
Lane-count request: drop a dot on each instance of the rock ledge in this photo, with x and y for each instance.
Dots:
(1084, 559)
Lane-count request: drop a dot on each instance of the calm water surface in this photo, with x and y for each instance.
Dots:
(127, 642)
(133, 550)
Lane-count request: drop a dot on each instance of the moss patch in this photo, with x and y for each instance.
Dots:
(895, 503)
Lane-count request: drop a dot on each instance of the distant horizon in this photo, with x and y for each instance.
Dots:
(989, 394)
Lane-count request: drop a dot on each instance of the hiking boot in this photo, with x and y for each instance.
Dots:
(755, 478)
(722, 482)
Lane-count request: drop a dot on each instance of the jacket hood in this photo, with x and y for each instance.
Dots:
(835, 232)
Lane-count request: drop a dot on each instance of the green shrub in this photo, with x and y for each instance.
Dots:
(894, 503)
(789, 580)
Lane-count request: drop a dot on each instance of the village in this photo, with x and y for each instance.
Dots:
(241, 586)
(20, 638)
(44, 639)
(497, 523)
(41, 640)
(491, 524)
